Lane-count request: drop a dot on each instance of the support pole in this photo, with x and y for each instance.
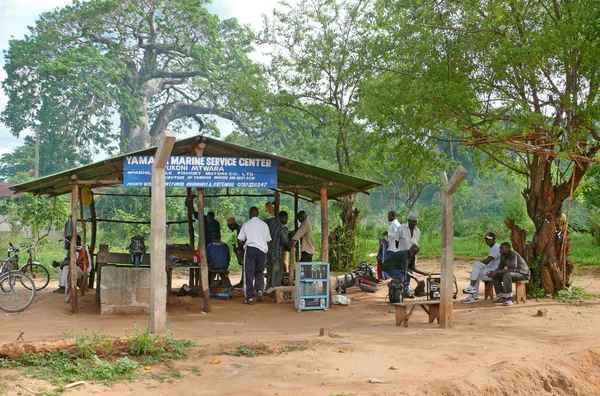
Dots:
(324, 226)
(297, 255)
(83, 242)
(73, 246)
(93, 241)
(447, 269)
(277, 204)
(202, 241)
(190, 216)
(158, 236)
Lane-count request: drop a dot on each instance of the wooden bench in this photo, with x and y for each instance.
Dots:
(402, 316)
(488, 290)
(521, 291)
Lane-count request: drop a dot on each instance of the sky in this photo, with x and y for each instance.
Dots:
(17, 15)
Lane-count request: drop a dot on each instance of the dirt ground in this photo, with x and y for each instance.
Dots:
(491, 349)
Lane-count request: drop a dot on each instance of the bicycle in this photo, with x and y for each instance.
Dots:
(34, 270)
(17, 290)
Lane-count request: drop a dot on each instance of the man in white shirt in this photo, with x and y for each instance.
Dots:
(305, 236)
(409, 234)
(393, 232)
(254, 238)
(481, 268)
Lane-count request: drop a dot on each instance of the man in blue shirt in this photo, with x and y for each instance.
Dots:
(217, 253)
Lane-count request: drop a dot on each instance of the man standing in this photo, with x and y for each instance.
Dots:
(481, 268)
(235, 227)
(394, 232)
(305, 236)
(254, 237)
(409, 234)
(401, 264)
(512, 268)
(211, 226)
(277, 247)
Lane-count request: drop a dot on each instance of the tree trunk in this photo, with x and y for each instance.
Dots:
(342, 240)
(136, 137)
(551, 244)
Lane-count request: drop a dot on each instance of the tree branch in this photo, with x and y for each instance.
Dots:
(175, 110)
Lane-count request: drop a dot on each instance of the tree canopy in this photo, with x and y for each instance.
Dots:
(148, 63)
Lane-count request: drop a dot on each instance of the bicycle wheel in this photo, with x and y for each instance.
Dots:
(14, 297)
(38, 274)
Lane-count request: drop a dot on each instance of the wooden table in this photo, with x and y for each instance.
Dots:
(194, 280)
(432, 308)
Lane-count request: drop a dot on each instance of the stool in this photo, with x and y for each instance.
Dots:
(521, 291)
(489, 290)
(222, 280)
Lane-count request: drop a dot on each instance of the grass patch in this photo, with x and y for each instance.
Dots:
(196, 371)
(62, 367)
(169, 376)
(333, 335)
(574, 293)
(154, 348)
(294, 348)
(243, 350)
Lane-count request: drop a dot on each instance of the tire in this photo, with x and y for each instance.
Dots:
(38, 274)
(68, 290)
(14, 296)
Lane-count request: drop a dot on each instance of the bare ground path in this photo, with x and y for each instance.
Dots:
(491, 349)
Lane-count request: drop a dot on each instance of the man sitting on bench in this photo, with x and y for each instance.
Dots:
(399, 264)
(217, 255)
(512, 268)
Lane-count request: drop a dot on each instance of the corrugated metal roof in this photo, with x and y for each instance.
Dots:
(291, 174)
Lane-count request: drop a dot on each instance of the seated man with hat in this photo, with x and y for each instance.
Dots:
(481, 268)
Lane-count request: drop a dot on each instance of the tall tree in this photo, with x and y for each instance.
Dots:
(517, 80)
(317, 67)
(150, 62)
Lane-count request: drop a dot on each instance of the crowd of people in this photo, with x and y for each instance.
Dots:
(398, 255)
(259, 245)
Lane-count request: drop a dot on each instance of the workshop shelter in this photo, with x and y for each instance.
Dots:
(300, 180)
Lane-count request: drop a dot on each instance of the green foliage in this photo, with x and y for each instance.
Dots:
(333, 335)
(243, 350)
(37, 212)
(573, 293)
(84, 62)
(156, 347)
(62, 367)
(293, 348)
(88, 345)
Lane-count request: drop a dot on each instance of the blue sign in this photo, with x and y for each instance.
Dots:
(203, 172)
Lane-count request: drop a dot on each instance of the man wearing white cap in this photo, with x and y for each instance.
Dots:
(481, 268)
(409, 233)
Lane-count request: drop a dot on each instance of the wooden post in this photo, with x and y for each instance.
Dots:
(73, 246)
(297, 256)
(324, 226)
(202, 241)
(83, 242)
(158, 236)
(190, 216)
(291, 267)
(93, 241)
(277, 203)
(447, 269)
